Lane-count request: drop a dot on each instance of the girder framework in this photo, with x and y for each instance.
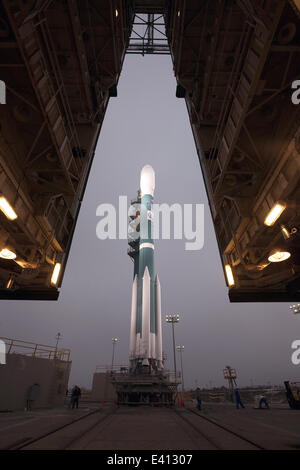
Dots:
(60, 62)
(148, 35)
(235, 63)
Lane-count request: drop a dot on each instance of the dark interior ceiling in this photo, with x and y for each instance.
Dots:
(235, 63)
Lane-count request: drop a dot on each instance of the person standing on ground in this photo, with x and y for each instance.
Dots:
(198, 398)
(75, 395)
(238, 400)
(32, 395)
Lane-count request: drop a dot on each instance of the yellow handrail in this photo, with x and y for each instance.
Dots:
(36, 349)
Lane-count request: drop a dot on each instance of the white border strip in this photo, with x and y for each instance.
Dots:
(146, 245)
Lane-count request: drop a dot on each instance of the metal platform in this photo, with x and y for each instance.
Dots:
(139, 389)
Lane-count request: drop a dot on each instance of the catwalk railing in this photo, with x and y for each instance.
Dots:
(121, 373)
(27, 348)
(109, 369)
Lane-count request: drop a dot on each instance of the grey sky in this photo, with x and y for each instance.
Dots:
(147, 124)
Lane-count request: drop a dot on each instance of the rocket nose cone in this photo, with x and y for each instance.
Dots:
(147, 182)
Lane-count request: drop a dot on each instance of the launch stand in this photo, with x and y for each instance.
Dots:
(156, 389)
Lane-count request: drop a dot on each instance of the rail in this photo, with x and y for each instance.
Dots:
(117, 368)
(121, 373)
(27, 348)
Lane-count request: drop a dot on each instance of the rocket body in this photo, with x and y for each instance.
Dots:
(145, 329)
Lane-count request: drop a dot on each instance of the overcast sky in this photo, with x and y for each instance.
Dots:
(147, 124)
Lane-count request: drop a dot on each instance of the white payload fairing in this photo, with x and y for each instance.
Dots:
(145, 328)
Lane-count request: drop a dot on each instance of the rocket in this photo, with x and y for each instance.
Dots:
(145, 328)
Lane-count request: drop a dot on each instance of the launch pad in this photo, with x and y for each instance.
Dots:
(156, 389)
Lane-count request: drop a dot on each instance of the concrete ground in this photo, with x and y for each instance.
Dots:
(276, 428)
(151, 428)
(18, 427)
(145, 428)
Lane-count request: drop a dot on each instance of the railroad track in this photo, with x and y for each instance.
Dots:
(70, 427)
(216, 441)
(203, 432)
